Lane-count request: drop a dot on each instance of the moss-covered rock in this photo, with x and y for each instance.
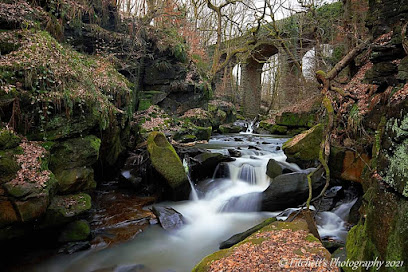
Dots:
(235, 239)
(60, 127)
(309, 243)
(8, 165)
(391, 160)
(8, 139)
(72, 153)
(305, 146)
(384, 232)
(75, 179)
(200, 133)
(75, 231)
(291, 119)
(63, 209)
(229, 128)
(273, 128)
(165, 160)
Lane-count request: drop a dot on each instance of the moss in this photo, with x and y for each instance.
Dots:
(65, 208)
(290, 119)
(74, 153)
(76, 179)
(52, 75)
(75, 231)
(8, 139)
(165, 159)
(305, 146)
(311, 238)
(8, 164)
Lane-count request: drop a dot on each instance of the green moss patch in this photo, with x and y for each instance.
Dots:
(165, 159)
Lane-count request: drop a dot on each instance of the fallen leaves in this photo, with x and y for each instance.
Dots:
(280, 250)
(30, 162)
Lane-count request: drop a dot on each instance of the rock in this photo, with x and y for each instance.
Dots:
(75, 231)
(235, 239)
(73, 247)
(340, 254)
(72, 153)
(332, 245)
(222, 171)
(391, 159)
(290, 190)
(234, 152)
(8, 164)
(125, 268)
(228, 128)
(76, 179)
(383, 233)
(304, 148)
(188, 138)
(186, 134)
(261, 245)
(353, 166)
(60, 127)
(271, 128)
(291, 119)
(205, 164)
(8, 214)
(8, 139)
(165, 160)
(32, 208)
(168, 218)
(275, 168)
(66, 208)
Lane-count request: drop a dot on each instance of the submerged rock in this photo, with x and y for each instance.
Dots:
(168, 218)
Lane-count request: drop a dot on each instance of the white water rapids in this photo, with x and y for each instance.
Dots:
(158, 250)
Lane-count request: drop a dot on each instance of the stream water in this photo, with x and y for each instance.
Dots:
(158, 250)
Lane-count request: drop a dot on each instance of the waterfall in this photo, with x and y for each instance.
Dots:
(248, 173)
(194, 195)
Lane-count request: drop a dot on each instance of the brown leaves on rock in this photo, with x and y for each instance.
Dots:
(283, 250)
(30, 162)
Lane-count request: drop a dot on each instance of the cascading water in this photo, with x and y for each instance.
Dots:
(194, 195)
(332, 224)
(250, 127)
(207, 223)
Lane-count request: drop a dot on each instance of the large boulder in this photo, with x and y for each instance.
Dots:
(204, 164)
(276, 168)
(285, 191)
(166, 162)
(71, 162)
(291, 119)
(303, 149)
(282, 240)
(66, 208)
(290, 190)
